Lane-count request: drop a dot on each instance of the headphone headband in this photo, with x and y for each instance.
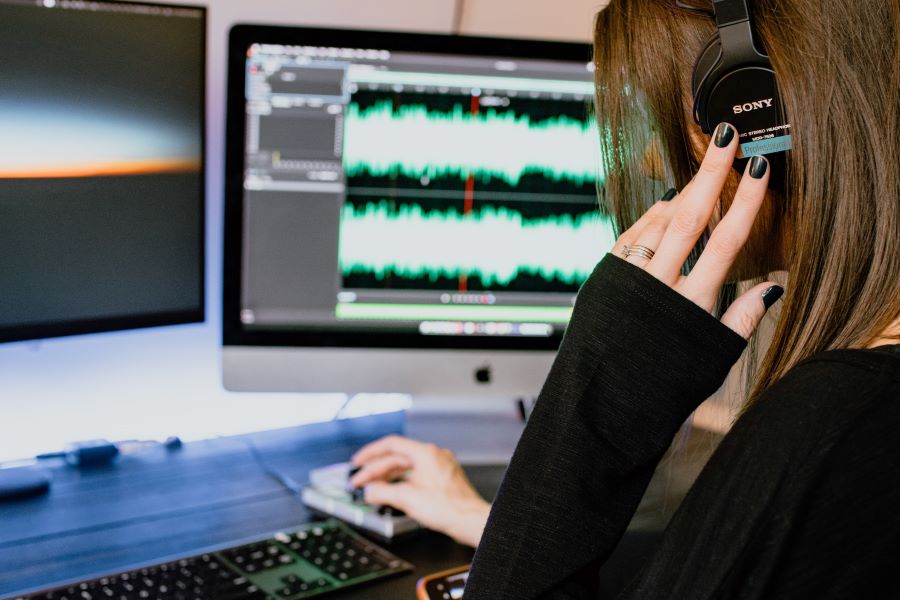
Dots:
(736, 33)
(729, 12)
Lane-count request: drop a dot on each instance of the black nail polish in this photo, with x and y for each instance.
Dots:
(771, 295)
(724, 135)
(758, 167)
(669, 195)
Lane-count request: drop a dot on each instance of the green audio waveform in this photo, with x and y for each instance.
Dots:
(494, 244)
(409, 140)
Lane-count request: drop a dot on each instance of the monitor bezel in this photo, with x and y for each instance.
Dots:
(63, 328)
(241, 37)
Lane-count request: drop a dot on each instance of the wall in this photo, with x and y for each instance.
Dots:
(569, 20)
(160, 382)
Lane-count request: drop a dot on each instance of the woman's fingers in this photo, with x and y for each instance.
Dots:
(402, 496)
(662, 209)
(650, 236)
(383, 468)
(695, 207)
(745, 313)
(663, 238)
(392, 444)
(706, 278)
(629, 237)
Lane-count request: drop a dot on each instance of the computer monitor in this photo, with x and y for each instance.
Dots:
(405, 213)
(101, 166)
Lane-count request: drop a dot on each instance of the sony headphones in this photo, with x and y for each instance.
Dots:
(733, 81)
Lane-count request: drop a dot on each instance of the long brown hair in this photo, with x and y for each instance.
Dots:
(838, 69)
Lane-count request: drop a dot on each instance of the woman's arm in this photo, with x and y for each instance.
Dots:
(642, 351)
(617, 394)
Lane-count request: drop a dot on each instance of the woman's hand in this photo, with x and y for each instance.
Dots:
(433, 490)
(669, 230)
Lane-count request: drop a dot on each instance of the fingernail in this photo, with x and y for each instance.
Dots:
(724, 135)
(758, 167)
(771, 295)
(669, 195)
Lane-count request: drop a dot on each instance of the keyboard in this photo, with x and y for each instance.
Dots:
(313, 560)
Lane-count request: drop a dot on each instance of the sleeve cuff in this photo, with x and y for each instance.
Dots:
(640, 328)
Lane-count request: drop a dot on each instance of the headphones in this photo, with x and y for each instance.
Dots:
(734, 81)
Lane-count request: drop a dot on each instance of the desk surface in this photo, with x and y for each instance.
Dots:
(158, 504)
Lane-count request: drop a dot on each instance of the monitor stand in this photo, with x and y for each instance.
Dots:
(480, 431)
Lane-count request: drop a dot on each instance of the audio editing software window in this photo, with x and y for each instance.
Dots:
(448, 195)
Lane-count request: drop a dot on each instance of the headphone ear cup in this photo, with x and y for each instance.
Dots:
(741, 88)
(748, 98)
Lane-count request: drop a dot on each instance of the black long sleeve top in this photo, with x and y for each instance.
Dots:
(801, 499)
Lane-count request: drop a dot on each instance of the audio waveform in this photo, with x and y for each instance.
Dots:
(409, 140)
(495, 244)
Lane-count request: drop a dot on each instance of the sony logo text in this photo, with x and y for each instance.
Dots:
(749, 106)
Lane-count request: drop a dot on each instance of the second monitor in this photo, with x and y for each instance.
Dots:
(405, 213)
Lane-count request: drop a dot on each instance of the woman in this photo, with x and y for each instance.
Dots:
(800, 499)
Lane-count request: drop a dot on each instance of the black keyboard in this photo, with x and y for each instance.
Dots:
(316, 559)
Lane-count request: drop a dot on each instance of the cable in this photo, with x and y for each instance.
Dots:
(289, 483)
(99, 452)
(458, 10)
(343, 407)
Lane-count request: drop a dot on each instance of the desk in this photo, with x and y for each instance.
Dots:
(157, 504)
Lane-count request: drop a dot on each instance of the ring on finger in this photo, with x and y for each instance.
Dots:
(638, 250)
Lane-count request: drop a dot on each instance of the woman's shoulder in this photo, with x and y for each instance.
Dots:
(828, 397)
(833, 382)
(799, 479)
(859, 362)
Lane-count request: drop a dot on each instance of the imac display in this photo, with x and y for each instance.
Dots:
(409, 199)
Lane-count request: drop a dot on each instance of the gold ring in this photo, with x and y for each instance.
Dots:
(642, 251)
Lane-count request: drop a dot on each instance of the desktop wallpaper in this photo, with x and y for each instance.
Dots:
(101, 138)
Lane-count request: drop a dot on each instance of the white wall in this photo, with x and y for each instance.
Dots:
(570, 20)
(154, 383)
